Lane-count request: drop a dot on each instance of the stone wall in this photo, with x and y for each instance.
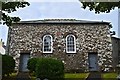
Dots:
(89, 38)
(116, 51)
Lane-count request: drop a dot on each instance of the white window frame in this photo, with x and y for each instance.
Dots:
(74, 44)
(51, 44)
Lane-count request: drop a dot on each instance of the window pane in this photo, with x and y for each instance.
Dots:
(47, 43)
(70, 43)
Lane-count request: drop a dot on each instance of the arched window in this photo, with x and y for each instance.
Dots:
(70, 44)
(47, 44)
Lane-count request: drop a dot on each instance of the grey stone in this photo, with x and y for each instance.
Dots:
(89, 38)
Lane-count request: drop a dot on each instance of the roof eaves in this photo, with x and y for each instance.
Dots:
(61, 22)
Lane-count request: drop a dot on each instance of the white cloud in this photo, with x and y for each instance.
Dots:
(59, 10)
(52, 0)
(3, 33)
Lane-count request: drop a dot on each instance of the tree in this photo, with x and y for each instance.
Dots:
(8, 7)
(101, 6)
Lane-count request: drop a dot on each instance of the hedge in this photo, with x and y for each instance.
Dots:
(49, 68)
(31, 65)
(8, 65)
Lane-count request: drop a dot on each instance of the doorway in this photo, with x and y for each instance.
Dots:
(93, 61)
(24, 57)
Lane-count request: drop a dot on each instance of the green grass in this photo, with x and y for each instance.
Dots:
(10, 77)
(107, 76)
(33, 78)
(13, 74)
(78, 76)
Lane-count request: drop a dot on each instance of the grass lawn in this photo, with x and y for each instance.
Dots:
(78, 76)
(83, 76)
(68, 76)
(109, 76)
(11, 77)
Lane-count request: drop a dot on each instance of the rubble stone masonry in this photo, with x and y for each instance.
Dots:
(89, 38)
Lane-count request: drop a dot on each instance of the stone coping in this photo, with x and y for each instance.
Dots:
(62, 21)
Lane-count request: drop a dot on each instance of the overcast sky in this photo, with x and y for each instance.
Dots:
(70, 9)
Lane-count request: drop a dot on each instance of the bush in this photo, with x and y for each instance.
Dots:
(31, 65)
(8, 65)
(50, 68)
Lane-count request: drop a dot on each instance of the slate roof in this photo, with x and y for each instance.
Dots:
(74, 21)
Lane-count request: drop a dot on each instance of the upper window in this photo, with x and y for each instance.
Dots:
(47, 44)
(70, 44)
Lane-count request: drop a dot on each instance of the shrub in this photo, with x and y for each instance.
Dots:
(31, 65)
(50, 68)
(8, 65)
